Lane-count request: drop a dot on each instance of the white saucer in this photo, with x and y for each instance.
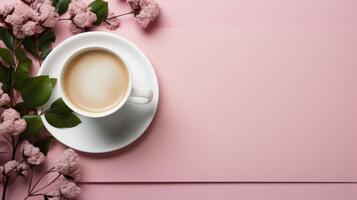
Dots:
(121, 128)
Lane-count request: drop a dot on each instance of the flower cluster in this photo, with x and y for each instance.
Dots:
(81, 16)
(69, 168)
(11, 123)
(145, 11)
(29, 19)
(31, 154)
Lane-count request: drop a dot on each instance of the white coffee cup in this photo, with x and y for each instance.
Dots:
(133, 95)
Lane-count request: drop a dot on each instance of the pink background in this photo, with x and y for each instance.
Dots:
(251, 91)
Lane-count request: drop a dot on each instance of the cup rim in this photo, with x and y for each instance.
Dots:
(80, 111)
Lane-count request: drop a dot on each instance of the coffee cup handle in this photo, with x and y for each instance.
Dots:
(140, 96)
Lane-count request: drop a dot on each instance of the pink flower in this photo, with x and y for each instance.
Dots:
(21, 15)
(85, 19)
(22, 169)
(112, 24)
(81, 16)
(68, 164)
(53, 195)
(47, 14)
(7, 127)
(32, 154)
(12, 123)
(10, 166)
(10, 114)
(76, 7)
(69, 189)
(148, 13)
(4, 99)
(20, 126)
(5, 10)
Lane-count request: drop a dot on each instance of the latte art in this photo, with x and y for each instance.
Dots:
(95, 80)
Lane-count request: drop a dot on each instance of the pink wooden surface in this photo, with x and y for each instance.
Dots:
(211, 191)
(244, 104)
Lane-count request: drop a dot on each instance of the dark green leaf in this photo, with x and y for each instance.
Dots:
(62, 121)
(53, 82)
(46, 39)
(23, 68)
(54, 3)
(4, 77)
(44, 53)
(44, 144)
(40, 47)
(60, 108)
(36, 91)
(6, 37)
(30, 45)
(61, 5)
(100, 8)
(45, 197)
(6, 56)
(34, 125)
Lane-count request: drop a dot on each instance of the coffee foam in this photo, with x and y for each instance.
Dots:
(95, 81)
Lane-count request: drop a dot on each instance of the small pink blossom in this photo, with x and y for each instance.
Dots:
(148, 13)
(4, 99)
(47, 15)
(69, 189)
(7, 127)
(10, 166)
(22, 169)
(10, 114)
(68, 164)
(85, 19)
(32, 154)
(6, 9)
(112, 23)
(76, 7)
(20, 126)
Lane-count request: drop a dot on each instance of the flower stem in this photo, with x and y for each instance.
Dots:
(128, 13)
(41, 177)
(47, 184)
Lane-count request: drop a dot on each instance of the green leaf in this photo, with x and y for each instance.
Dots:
(44, 144)
(61, 5)
(6, 56)
(23, 68)
(40, 47)
(62, 121)
(34, 125)
(60, 108)
(46, 39)
(30, 45)
(4, 77)
(36, 91)
(45, 53)
(100, 8)
(53, 82)
(6, 37)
